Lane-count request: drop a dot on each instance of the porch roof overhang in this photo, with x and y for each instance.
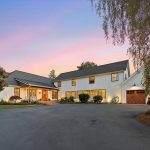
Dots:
(35, 84)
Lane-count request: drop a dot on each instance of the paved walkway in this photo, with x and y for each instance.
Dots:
(74, 127)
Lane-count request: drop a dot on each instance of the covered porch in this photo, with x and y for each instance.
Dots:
(35, 91)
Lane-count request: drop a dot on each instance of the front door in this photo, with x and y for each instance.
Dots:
(44, 95)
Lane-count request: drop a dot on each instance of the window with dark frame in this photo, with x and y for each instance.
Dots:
(91, 79)
(59, 83)
(114, 77)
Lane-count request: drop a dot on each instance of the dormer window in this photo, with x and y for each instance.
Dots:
(91, 79)
(59, 83)
(73, 82)
(114, 77)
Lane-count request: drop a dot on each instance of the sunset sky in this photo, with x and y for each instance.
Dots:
(39, 35)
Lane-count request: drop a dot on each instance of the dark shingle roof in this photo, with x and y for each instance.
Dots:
(112, 67)
(16, 77)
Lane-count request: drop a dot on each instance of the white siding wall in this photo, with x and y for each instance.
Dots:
(133, 80)
(101, 82)
(6, 93)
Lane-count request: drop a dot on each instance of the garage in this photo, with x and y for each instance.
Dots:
(136, 97)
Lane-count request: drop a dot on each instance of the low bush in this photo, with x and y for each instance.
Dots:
(148, 112)
(115, 100)
(14, 98)
(67, 100)
(97, 99)
(84, 98)
(2, 102)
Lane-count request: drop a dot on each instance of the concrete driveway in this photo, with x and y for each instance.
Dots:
(74, 127)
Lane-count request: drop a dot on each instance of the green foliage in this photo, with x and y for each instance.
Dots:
(84, 98)
(147, 75)
(86, 65)
(148, 112)
(52, 74)
(97, 99)
(3, 76)
(13, 98)
(2, 102)
(128, 19)
(67, 100)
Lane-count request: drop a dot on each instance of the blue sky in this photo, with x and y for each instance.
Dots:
(37, 36)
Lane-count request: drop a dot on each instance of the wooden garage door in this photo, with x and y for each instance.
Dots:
(136, 97)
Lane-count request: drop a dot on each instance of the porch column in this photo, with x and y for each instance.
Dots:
(29, 92)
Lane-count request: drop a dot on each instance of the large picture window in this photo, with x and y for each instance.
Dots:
(17, 92)
(59, 83)
(102, 92)
(114, 77)
(31, 92)
(54, 94)
(93, 93)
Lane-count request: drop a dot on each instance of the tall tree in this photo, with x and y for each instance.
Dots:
(3, 76)
(85, 65)
(52, 74)
(128, 20)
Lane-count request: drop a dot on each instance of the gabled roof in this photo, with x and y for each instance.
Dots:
(112, 67)
(19, 77)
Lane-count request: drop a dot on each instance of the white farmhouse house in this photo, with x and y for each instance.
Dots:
(109, 81)
(29, 87)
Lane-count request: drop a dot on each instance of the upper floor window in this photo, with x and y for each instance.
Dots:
(17, 92)
(114, 77)
(59, 83)
(73, 82)
(91, 79)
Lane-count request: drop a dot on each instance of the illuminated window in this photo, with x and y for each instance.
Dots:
(80, 92)
(93, 93)
(59, 83)
(73, 93)
(17, 91)
(91, 79)
(54, 94)
(102, 92)
(73, 82)
(68, 94)
(32, 92)
(114, 77)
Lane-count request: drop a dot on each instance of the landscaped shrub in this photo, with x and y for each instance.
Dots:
(15, 99)
(71, 99)
(2, 102)
(148, 112)
(84, 98)
(67, 100)
(97, 99)
(115, 100)
(148, 102)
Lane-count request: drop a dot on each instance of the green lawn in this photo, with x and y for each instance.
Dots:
(15, 106)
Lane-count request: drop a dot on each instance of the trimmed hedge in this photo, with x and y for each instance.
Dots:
(67, 100)
(84, 98)
(97, 99)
